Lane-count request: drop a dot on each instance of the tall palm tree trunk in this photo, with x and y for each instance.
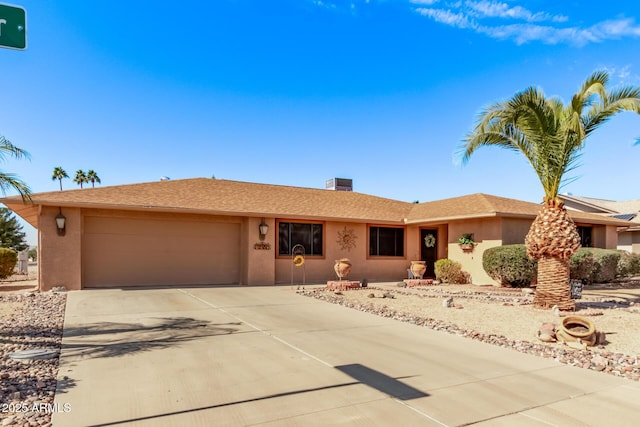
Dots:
(553, 284)
(552, 239)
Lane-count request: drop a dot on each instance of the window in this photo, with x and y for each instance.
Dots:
(585, 236)
(386, 241)
(306, 234)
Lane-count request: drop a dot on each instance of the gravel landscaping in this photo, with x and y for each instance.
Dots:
(27, 388)
(506, 318)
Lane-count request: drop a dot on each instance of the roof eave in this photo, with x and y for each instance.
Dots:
(450, 218)
(169, 209)
(27, 211)
(591, 205)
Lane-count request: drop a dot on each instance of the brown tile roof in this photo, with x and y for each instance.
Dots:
(218, 196)
(473, 205)
(485, 205)
(609, 207)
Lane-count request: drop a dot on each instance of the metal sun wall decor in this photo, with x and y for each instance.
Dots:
(347, 239)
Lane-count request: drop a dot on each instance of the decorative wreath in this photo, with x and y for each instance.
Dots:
(429, 240)
(298, 260)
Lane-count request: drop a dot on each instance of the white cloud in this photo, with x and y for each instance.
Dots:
(523, 33)
(526, 26)
(447, 17)
(616, 28)
(494, 9)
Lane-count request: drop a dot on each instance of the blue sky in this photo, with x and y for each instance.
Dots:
(295, 92)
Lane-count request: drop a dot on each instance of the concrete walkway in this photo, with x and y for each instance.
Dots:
(265, 356)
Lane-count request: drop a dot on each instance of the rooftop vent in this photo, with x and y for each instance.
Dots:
(339, 184)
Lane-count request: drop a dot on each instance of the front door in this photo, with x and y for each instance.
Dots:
(429, 250)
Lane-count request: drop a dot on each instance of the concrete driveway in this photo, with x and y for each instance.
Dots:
(265, 356)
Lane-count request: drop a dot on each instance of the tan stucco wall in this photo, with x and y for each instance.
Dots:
(258, 256)
(629, 241)
(374, 269)
(605, 237)
(514, 230)
(635, 242)
(487, 233)
(481, 228)
(59, 257)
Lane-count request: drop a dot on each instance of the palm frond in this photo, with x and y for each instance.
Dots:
(594, 87)
(7, 148)
(10, 181)
(548, 133)
(623, 99)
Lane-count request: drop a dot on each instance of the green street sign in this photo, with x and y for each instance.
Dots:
(13, 27)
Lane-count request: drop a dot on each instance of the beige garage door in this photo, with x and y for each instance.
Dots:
(151, 252)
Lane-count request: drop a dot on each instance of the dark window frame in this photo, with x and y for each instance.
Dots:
(374, 241)
(286, 243)
(586, 235)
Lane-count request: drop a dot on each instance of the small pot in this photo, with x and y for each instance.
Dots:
(342, 267)
(418, 268)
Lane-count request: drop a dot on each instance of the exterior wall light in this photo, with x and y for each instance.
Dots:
(61, 223)
(263, 228)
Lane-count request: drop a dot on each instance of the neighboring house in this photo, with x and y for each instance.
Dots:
(207, 231)
(628, 237)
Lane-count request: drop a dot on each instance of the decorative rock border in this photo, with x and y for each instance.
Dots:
(342, 285)
(418, 282)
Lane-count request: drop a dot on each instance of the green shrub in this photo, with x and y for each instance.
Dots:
(449, 271)
(629, 264)
(509, 265)
(583, 265)
(8, 261)
(606, 265)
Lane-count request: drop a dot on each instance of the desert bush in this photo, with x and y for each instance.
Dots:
(595, 265)
(628, 265)
(8, 261)
(582, 265)
(606, 264)
(449, 271)
(509, 265)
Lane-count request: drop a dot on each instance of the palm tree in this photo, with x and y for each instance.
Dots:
(93, 177)
(9, 180)
(551, 136)
(59, 174)
(80, 178)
